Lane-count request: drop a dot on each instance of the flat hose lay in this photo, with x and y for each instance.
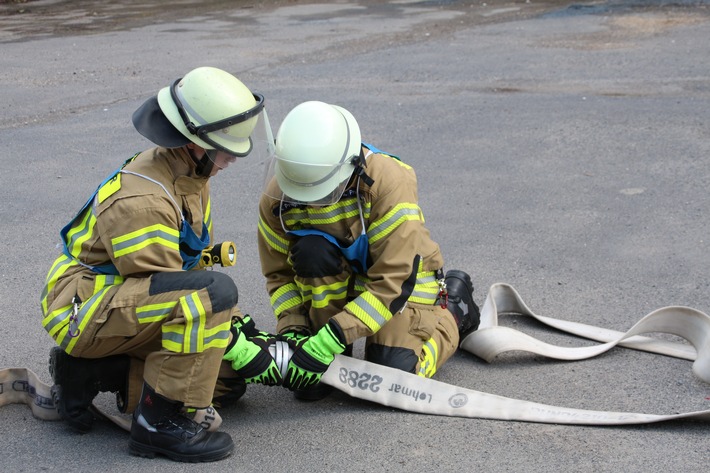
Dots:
(409, 392)
(406, 391)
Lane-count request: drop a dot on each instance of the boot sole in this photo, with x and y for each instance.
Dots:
(139, 449)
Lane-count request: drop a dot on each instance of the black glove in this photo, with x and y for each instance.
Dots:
(313, 256)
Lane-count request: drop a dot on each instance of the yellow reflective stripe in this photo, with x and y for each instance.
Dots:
(361, 283)
(217, 337)
(103, 280)
(426, 289)
(341, 210)
(192, 336)
(430, 352)
(195, 319)
(285, 297)
(139, 239)
(403, 164)
(208, 215)
(78, 234)
(393, 219)
(59, 267)
(54, 321)
(370, 310)
(173, 337)
(154, 312)
(272, 239)
(87, 311)
(110, 188)
(321, 296)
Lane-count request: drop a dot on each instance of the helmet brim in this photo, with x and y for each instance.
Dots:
(326, 192)
(150, 122)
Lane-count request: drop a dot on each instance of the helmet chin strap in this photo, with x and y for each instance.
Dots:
(360, 162)
(203, 165)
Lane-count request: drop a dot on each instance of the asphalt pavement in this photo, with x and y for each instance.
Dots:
(560, 147)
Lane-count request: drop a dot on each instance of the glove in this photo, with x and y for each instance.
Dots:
(247, 326)
(250, 358)
(312, 356)
(294, 337)
(312, 256)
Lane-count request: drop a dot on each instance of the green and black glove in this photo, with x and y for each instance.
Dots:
(247, 326)
(312, 356)
(250, 357)
(294, 336)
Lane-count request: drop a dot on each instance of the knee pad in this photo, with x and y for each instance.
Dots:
(395, 357)
(221, 288)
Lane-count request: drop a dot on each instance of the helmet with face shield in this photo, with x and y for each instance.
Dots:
(212, 109)
(313, 160)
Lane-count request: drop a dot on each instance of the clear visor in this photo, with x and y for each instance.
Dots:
(258, 145)
(305, 183)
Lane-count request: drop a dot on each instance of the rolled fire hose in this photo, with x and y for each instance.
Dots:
(408, 392)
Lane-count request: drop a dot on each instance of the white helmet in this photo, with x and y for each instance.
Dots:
(208, 107)
(313, 160)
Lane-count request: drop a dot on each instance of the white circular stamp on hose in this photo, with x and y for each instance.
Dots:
(281, 352)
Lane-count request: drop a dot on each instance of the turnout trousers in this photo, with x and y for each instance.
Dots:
(418, 339)
(174, 326)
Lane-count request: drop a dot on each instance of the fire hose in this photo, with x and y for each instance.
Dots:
(408, 392)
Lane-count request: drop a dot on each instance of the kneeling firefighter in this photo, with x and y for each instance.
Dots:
(346, 254)
(126, 301)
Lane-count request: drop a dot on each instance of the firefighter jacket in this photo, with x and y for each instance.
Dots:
(404, 262)
(133, 226)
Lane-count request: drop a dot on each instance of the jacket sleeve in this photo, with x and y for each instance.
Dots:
(141, 234)
(401, 249)
(286, 300)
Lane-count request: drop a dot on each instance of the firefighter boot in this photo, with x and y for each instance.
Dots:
(159, 427)
(77, 381)
(461, 303)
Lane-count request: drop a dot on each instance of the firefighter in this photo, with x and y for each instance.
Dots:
(346, 254)
(126, 301)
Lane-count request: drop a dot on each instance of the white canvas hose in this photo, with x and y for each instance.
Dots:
(409, 392)
(406, 391)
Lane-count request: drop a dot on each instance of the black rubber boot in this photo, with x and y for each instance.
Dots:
(461, 303)
(77, 381)
(159, 427)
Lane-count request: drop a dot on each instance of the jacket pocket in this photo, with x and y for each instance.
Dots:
(119, 319)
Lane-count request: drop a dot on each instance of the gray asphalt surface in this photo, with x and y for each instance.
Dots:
(561, 148)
